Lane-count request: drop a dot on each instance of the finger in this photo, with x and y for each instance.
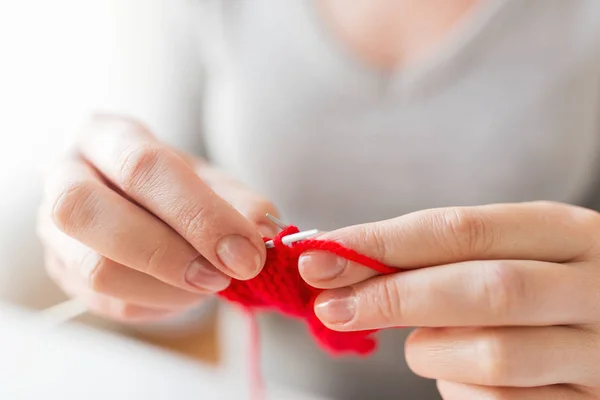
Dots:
(515, 357)
(458, 391)
(84, 208)
(162, 182)
(106, 306)
(252, 206)
(472, 293)
(247, 202)
(328, 271)
(527, 231)
(104, 276)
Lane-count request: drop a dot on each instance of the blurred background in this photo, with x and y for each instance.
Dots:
(59, 61)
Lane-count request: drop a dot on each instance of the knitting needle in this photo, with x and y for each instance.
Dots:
(70, 309)
(73, 308)
(294, 237)
(277, 221)
(289, 239)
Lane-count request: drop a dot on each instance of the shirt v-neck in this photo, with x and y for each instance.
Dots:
(464, 35)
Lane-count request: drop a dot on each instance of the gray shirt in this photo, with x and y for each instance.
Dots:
(506, 110)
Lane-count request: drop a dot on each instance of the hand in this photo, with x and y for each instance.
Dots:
(507, 297)
(130, 228)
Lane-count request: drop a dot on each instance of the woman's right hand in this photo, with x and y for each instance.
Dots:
(131, 229)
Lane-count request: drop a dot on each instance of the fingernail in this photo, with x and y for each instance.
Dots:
(337, 307)
(204, 276)
(239, 255)
(267, 231)
(321, 266)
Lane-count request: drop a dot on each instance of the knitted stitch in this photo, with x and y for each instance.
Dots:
(280, 288)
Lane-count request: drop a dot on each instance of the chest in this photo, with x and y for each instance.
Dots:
(387, 34)
(494, 115)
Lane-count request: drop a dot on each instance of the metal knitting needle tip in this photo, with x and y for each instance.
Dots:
(295, 237)
(277, 221)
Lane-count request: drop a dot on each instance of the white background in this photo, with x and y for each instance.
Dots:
(59, 60)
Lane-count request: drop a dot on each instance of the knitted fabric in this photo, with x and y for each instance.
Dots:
(280, 288)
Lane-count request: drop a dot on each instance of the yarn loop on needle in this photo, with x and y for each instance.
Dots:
(280, 288)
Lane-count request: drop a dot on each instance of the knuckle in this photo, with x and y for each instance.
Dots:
(156, 259)
(567, 216)
(371, 234)
(588, 221)
(585, 218)
(97, 272)
(196, 220)
(493, 354)
(386, 302)
(503, 288)
(571, 213)
(75, 207)
(137, 166)
(468, 231)
(551, 207)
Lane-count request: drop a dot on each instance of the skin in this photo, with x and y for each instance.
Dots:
(504, 296)
(390, 34)
(133, 227)
(140, 231)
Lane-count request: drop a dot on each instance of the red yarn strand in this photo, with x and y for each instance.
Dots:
(280, 288)
(257, 384)
(349, 254)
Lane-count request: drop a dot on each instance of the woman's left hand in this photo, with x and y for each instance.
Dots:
(506, 297)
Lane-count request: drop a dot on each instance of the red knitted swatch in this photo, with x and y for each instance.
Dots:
(279, 287)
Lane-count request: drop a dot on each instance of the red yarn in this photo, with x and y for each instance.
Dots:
(279, 287)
